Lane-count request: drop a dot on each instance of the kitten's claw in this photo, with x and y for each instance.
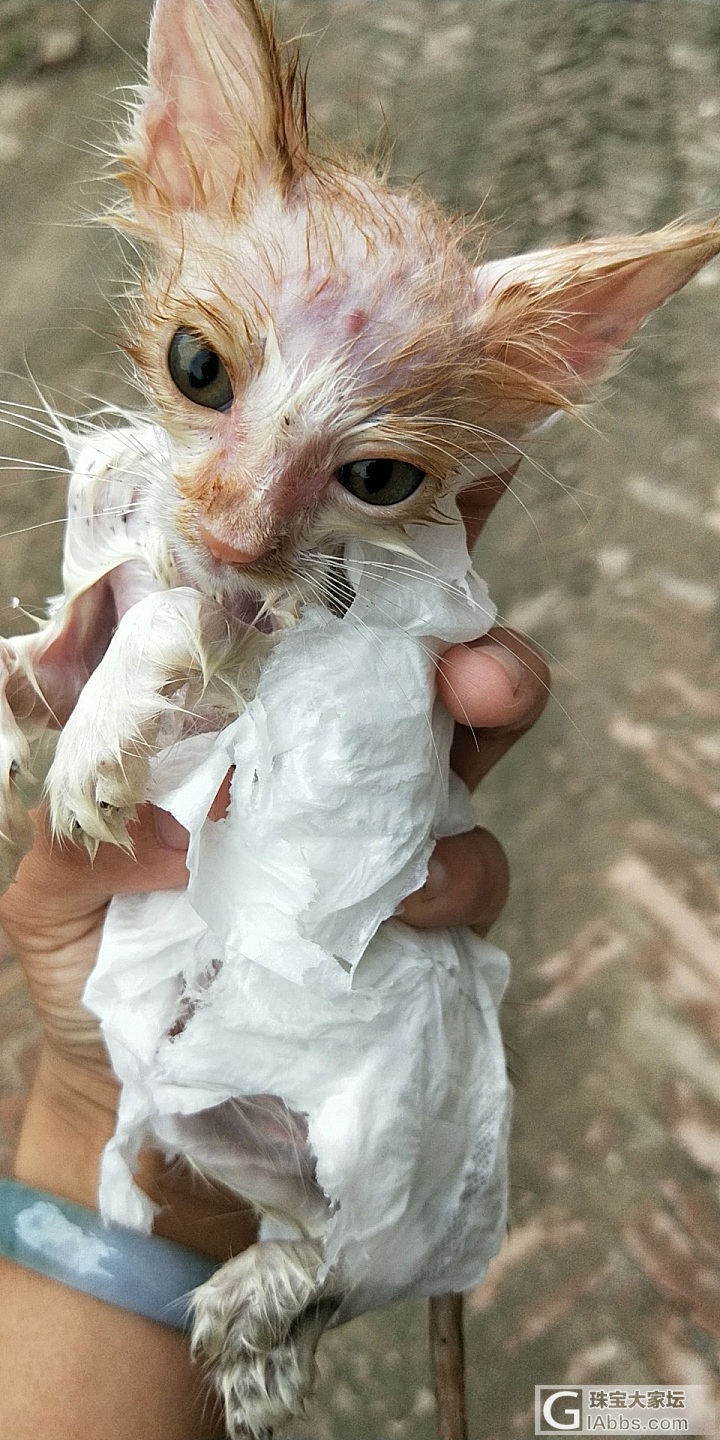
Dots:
(80, 837)
(92, 801)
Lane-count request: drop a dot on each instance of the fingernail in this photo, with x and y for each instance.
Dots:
(170, 833)
(435, 884)
(513, 667)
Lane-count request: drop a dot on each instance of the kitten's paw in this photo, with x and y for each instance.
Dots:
(257, 1324)
(94, 798)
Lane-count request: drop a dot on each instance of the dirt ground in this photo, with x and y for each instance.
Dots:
(559, 119)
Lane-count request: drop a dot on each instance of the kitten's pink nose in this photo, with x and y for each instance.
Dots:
(230, 553)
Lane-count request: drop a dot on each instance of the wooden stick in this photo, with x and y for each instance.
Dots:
(447, 1363)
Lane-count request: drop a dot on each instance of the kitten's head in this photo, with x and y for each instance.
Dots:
(323, 355)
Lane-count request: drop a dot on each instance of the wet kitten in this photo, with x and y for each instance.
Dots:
(323, 361)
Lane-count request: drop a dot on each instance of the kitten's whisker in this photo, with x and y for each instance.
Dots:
(44, 524)
(113, 41)
(521, 455)
(429, 579)
(434, 579)
(484, 433)
(542, 649)
(496, 639)
(430, 576)
(27, 529)
(21, 404)
(28, 426)
(32, 465)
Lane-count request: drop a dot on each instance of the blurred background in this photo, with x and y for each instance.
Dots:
(555, 119)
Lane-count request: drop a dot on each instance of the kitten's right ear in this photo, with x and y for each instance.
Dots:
(220, 114)
(550, 324)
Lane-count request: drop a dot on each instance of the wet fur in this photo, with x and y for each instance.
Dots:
(354, 324)
(257, 1323)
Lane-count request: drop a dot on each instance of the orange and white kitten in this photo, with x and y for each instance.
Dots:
(322, 360)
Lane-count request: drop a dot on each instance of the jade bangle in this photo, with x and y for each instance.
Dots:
(67, 1242)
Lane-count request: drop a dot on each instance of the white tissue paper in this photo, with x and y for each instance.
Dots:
(273, 1022)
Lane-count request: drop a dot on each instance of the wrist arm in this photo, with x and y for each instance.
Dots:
(98, 1370)
(67, 1360)
(71, 1365)
(69, 1119)
(65, 1129)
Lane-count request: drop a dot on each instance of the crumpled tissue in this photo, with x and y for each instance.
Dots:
(274, 1023)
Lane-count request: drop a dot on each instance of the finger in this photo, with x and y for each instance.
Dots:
(173, 835)
(221, 803)
(467, 884)
(156, 862)
(495, 688)
(497, 682)
(478, 502)
(62, 880)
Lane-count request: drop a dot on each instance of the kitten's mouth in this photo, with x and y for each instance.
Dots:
(270, 593)
(242, 595)
(251, 609)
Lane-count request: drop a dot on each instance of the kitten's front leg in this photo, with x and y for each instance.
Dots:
(101, 766)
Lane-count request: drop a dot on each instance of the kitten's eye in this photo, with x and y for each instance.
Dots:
(381, 482)
(198, 371)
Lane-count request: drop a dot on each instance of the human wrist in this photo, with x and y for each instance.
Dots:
(193, 1211)
(70, 1117)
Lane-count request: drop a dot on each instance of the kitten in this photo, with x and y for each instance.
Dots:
(322, 362)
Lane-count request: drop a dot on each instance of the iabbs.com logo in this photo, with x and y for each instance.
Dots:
(624, 1410)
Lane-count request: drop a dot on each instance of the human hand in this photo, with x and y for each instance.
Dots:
(53, 914)
(95, 1368)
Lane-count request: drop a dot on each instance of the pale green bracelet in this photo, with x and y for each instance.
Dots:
(141, 1273)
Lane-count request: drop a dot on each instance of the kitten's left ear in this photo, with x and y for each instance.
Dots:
(220, 113)
(551, 323)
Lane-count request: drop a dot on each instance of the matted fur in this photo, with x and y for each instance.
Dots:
(258, 1322)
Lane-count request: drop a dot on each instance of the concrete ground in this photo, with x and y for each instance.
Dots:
(559, 119)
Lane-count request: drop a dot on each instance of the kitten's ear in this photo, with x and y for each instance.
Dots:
(219, 115)
(552, 322)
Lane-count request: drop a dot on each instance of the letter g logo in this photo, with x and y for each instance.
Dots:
(557, 1411)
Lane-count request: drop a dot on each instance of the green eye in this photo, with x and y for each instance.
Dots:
(381, 482)
(198, 371)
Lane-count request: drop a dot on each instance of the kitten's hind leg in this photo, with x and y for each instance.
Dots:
(257, 1324)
